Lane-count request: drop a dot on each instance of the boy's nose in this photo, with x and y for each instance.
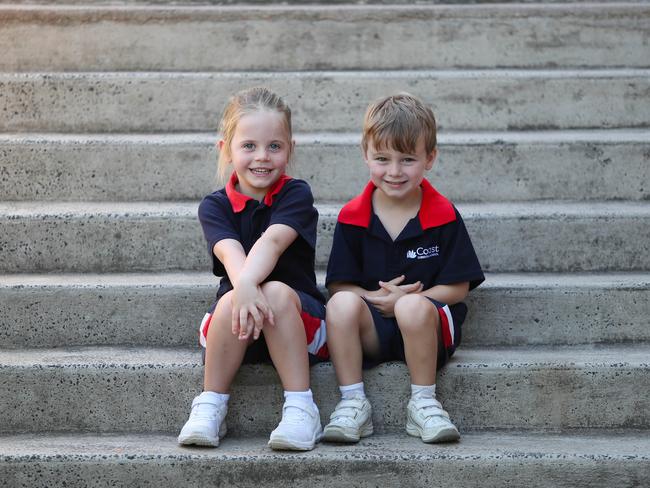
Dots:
(394, 169)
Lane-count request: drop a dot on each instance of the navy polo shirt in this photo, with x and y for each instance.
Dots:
(434, 246)
(228, 214)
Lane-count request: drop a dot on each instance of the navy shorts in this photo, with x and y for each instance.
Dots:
(391, 343)
(313, 319)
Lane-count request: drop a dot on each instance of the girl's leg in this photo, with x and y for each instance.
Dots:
(286, 339)
(419, 324)
(350, 333)
(224, 352)
(300, 427)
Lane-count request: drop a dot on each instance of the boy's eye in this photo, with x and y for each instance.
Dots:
(408, 160)
(381, 159)
(275, 146)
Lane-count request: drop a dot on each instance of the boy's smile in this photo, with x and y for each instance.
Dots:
(398, 175)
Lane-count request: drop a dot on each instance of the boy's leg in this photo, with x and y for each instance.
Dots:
(300, 426)
(420, 325)
(350, 333)
(224, 354)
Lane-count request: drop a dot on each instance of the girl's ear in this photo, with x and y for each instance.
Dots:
(431, 158)
(220, 144)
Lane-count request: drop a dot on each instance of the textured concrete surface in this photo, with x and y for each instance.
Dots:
(165, 309)
(325, 37)
(150, 390)
(480, 460)
(147, 236)
(471, 166)
(326, 100)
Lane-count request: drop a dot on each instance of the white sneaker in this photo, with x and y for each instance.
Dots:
(350, 421)
(207, 423)
(426, 419)
(299, 429)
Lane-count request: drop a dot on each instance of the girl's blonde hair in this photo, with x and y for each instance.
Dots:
(398, 121)
(243, 103)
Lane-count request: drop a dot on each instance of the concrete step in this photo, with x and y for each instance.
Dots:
(154, 236)
(486, 460)
(150, 390)
(165, 309)
(471, 166)
(342, 36)
(325, 100)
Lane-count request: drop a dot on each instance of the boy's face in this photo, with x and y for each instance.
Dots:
(398, 174)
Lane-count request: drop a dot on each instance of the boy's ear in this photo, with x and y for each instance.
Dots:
(431, 158)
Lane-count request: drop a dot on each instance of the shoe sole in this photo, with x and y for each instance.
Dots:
(337, 433)
(198, 439)
(448, 434)
(282, 443)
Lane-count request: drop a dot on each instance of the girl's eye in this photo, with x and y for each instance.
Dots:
(275, 146)
(249, 146)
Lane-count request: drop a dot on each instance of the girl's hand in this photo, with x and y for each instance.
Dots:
(392, 291)
(250, 310)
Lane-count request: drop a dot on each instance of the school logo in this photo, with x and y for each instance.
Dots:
(423, 252)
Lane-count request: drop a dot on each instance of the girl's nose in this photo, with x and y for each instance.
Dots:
(262, 155)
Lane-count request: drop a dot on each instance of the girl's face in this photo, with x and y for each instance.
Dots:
(260, 151)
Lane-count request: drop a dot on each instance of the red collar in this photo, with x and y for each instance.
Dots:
(238, 200)
(435, 209)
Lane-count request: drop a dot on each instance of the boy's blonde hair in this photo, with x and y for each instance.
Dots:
(243, 103)
(397, 122)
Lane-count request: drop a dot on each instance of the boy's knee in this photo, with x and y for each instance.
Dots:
(414, 312)
(344, 304)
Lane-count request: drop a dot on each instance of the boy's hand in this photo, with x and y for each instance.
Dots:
(250, 311)
(392, 291)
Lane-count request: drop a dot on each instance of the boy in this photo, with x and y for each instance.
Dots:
(401, 263)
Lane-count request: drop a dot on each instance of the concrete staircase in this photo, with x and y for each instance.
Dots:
(107, 119)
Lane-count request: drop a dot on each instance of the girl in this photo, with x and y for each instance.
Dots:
(261, 234)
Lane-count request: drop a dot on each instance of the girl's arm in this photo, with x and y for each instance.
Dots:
(248, 300)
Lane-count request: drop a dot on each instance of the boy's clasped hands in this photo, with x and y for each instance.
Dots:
(389, 292)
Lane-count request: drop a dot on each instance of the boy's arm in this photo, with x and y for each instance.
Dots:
(448, 294)
(362, 292)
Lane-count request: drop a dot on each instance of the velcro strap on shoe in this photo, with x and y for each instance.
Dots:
(348, 408)
(431, 407)
(288, 403)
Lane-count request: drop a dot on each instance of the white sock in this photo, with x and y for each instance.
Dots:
(213, 397)
(352, 391)
(423, 391)
(305, 398)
